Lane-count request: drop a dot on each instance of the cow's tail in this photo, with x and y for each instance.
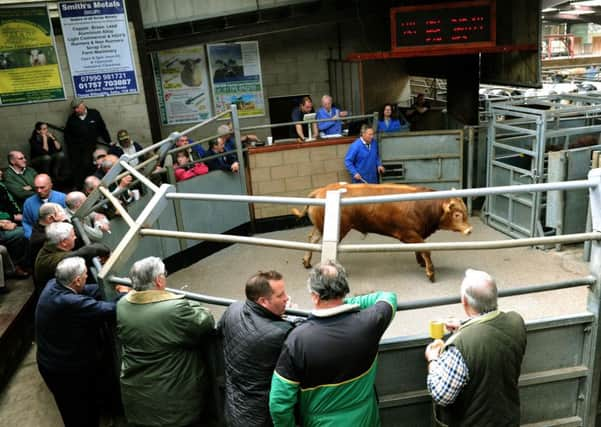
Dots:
(300, 214)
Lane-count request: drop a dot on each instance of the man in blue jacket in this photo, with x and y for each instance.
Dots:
(328, 111)
(42, 184)
(68, 319)
(363, 159)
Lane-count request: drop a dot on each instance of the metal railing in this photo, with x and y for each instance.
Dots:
(334, 202)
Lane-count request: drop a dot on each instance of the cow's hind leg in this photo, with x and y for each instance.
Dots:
(314, 237)
(423, 257)
(419, 259)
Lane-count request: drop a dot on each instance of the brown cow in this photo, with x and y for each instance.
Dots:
(409, 222)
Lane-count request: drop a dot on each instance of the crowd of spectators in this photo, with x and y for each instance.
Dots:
(280, 370)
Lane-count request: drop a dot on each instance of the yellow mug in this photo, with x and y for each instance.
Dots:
(436, 329)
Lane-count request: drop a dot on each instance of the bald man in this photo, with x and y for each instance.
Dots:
(473, 376)
(42, 185)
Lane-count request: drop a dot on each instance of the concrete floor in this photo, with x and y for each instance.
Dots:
(224, 274)
(26, 401)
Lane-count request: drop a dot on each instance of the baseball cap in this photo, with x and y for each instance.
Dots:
(223, 130)
(122, 135)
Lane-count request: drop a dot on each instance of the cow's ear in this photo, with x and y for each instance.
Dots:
(448, 206)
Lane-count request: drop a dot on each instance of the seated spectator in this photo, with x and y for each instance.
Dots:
(195, 152)
(328, 111)
(12, 237)
(3, 256)
(226, 132)
(43, 187)
(9, 209)
(125, 146)
(226, 162)
(47, 154)
(389, 123)
(18, 178)
(94, 224)
(48, 213)
(90, 184)
(185, 170)
(68, 320)
(98, 157)
(60, 242)
(161, 337)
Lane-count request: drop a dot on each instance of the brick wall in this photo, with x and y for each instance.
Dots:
(295, 172)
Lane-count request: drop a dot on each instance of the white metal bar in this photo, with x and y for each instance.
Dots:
(466, 246)
(284, 244)
(248, 199)
(331, 228)
(118, 206)
(484, 191)
(140, 176)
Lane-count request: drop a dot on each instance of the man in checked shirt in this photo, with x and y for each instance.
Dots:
(473, 376)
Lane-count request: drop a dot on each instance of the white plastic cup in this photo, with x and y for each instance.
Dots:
(270, 140)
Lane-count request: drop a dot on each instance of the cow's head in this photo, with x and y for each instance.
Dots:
(454, 216)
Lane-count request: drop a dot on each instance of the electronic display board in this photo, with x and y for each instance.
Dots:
(443, 25)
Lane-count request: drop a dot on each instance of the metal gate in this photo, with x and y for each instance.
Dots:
(519, 134)
(432, 158)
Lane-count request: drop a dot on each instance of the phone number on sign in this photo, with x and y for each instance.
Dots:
(109, 83)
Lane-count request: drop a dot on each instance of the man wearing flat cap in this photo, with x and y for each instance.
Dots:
(84, 128)
(125, 145)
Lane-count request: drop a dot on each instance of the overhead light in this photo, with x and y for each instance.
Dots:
(550, 9)
(591, 3)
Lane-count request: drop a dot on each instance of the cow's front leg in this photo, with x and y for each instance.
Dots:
(314, 237)
(425, 256)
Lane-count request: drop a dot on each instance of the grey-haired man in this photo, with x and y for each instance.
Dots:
(473, 376)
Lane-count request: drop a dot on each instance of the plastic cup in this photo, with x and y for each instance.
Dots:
(270, 140)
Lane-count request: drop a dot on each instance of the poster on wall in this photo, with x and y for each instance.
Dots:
(29, 68)
(98, 47)
(182, 85)
(236, 77)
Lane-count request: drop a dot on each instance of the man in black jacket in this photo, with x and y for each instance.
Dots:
(253, 333)
(83, 129)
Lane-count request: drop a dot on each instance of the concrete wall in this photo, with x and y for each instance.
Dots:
(291, 64)
(296, 62)
(124, 111)
(295, 173)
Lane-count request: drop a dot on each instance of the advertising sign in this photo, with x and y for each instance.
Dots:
(98, 47)
(236, 76)
(29, 68)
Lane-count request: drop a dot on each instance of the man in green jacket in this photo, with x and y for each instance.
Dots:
(18, 177)
(161, 334)
(328, 364)
(473, 377)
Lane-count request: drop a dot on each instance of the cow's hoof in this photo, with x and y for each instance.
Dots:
(306, 264)
(431, 277)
